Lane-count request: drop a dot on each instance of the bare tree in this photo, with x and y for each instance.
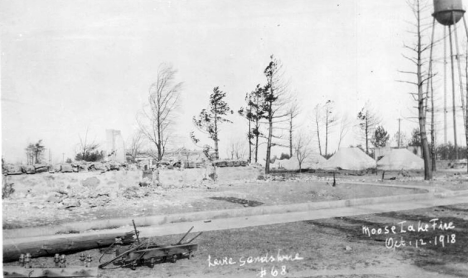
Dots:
(302, 148)
(293, 112)
(137, 144)
(368, 121)
(400, 139)
(85, 147)
(318, 123)
(275, 104)
(236, 150)
(330, 122)
(345, 124)
(325, 117)
(158, 115)
(416, 58)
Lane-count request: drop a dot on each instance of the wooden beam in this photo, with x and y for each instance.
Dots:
(12, 251)
(16, 271)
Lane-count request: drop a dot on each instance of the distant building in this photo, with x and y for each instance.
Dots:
(146, 161)
(115, 146)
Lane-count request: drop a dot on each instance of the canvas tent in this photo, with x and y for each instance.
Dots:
(349, 159)
(400, 159)
(313, 161)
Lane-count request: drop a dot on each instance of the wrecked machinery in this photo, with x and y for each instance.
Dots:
(145, 252)
(139, 252)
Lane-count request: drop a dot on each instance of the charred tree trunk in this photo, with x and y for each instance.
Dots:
(215, 139)
(433, 136)
(250, 143)
(367, 136)
(290, 136)
(256, 148)
(270, 135)
(421, 98)
(326, 132)
(318, 137)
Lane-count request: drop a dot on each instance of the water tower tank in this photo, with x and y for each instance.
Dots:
(448, 12)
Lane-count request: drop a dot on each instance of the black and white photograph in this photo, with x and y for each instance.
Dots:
(249, 138)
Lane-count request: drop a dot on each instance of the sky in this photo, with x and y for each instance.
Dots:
(72, 66)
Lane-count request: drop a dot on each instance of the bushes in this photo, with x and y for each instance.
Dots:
(90, 156)
(7, 188)
(447, 152)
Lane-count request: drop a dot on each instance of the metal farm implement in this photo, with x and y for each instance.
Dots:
(145, 252)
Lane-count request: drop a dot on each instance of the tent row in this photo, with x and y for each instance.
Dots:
(354, 159)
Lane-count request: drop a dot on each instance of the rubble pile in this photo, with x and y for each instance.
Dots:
(12, 169)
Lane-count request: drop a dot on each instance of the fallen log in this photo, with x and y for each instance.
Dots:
(61, 245)
(16, 272)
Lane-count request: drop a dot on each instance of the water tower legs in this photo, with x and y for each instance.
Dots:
(459, 67)
(451, 18)
(453, 95)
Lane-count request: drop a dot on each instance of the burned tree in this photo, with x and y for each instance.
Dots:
(35, 152)
(318, 121)
(293, 111)
(157, 117)
(344, 127)
(254, 113)
(368, 120)
(209, 120)
(302, 148)
(87, 150)
(417, 60)
(136, 145)
(236, 150)
(330, 121)
(380, 137)
(324, 116)
(275, 100)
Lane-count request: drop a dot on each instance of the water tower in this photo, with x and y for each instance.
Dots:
(448, 13)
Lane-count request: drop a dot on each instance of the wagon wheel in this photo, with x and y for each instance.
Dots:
(173, 258)
(188, 254)
(152, 262)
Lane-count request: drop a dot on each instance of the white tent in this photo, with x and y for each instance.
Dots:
(288, 164)
(312, 161)
(349, 159)
(399, 159)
